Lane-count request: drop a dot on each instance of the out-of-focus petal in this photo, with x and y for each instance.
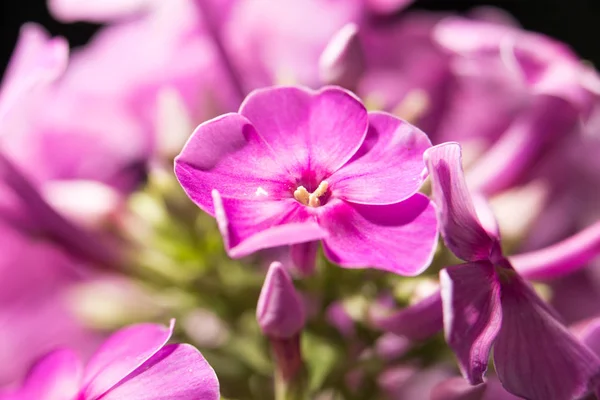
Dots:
(227, 154)
(459, 225)
(417, 321)
(320, 130)
(304, 257)
(121, 354)
(387, 6)
(280, 311)
(389, 166)
(588, 333)
(472, 315)
(96, 10)
(548, 119)
(36, 59)
(55, 377)
(343, 60)
(561, 258)
(248, 226)
(175, 372)
(399, 238)
(457, 389)
(535, 356)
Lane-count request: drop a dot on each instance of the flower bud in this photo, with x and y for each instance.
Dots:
(280, 311)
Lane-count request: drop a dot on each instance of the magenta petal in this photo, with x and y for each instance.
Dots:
(248, 226)
(304, 257)
(389, 166)
(535, 356)
(175, 372)
(457, 389)
(96, 11)
(460, 226)
(228, 155)
(472, 315)
(589, 335)
(57, 376)
(37, 59)
(418, 321)
(121, 354)
(561, 258)
(399, 238)
(343, 60)
(305, 129)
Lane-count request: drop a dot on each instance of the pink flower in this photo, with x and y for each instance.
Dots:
(133, 363)
(295, 166)
(487, 303)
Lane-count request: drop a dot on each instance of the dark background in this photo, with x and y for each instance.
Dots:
(576, 22)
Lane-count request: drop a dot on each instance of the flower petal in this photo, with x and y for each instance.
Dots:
(96, 11)
(315, 131)
(175, 372)
(227, 154)
(248, 226)
(388, 167)
(561, 258)
(457, 389)
(122, 353)
(399, 238)
(55, 377)
(37, 60)
(418, 321)
(460, 226)
(472, 315)
(535, 356)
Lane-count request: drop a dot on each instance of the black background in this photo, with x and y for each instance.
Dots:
(576, 22)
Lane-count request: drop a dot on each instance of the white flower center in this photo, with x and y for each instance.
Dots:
(311, 199)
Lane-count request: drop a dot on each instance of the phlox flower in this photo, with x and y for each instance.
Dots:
(133, 363)
(487, 303)
(295, 166)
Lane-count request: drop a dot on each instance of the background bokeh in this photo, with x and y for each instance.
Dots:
(572, 21)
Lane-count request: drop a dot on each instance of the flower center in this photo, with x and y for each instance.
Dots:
(311, 199)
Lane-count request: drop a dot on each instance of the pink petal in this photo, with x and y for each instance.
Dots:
(57, 376)
(472, 315)
(460, 226)
(547, 119)
(122, 353)
(319, 131)
(387, 6)
(399, 238)
(561, 258)
(589, 334)
(248, 226)
(37, 59)
(457, 389)
(343, 60)
(280, 311)
(418, 321)
(96, 10)
(175, 372)
(535, 356)
(304, 257)
(389, 166)
(228, 155)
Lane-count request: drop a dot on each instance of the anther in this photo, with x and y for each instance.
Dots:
(311, 199)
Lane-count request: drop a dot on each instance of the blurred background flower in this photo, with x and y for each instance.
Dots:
(98, 97)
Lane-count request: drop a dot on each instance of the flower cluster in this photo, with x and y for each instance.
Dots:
(367, 202)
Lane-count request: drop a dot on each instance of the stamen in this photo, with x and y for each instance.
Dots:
(311, 199)
(302, 195)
